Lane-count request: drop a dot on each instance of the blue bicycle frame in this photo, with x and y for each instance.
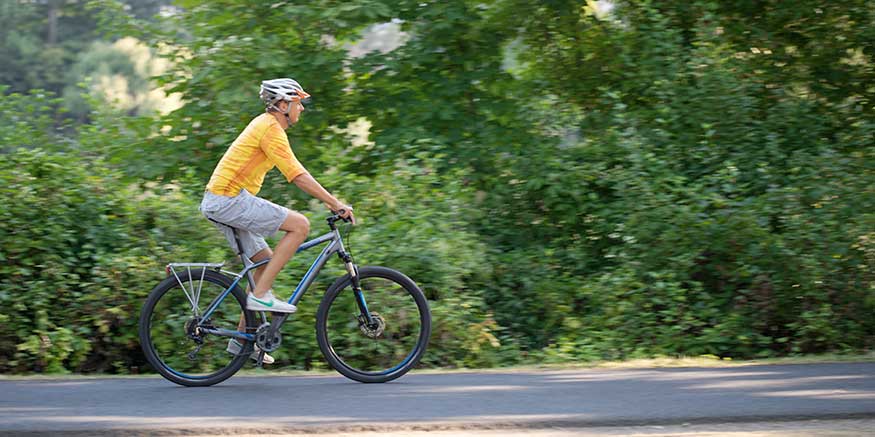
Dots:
(335, 245)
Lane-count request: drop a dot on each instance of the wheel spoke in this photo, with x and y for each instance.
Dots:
(197, 295)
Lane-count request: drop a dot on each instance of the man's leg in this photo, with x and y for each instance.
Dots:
(241, 325)
(260, 255)
(297, 227)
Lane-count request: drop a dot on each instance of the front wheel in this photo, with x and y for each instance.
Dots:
(385, 349)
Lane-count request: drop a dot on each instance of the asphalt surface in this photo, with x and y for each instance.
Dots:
(520, 400)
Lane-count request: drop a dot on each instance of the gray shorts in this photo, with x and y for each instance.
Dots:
(253, 217)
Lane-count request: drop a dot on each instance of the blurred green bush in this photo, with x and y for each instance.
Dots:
(81, 249)
(565, 182)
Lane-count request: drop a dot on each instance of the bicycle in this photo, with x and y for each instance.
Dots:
(372, 324)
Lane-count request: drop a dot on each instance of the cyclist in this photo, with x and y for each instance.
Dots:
(231, 198)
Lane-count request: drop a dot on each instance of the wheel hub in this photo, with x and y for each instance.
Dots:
(192, 331)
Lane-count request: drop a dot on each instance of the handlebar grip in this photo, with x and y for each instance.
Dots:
(339, 215)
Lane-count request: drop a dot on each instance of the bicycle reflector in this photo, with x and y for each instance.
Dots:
(167, 269)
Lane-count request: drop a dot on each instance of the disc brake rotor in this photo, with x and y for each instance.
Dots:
(375, 330)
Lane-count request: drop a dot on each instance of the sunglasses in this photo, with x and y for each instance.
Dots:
(304, 98)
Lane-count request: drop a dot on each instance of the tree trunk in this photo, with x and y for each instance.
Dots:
(53, 23)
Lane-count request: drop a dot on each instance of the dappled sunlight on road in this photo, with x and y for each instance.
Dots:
(71, 384)
(653, 375)
(821, 394)
(477, 388)
(782, 382)
(39, 410)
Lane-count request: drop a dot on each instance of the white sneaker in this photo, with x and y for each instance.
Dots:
(234, 347)
(268, 302)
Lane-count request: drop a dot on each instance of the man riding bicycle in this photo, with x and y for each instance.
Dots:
(230, 196)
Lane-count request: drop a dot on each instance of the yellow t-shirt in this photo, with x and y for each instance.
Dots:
(260, 147)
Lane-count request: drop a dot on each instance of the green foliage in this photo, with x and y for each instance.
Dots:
(217, 71)
(29, 120)
(80, 271)
(709, 207)
(443, 91)
(565, 182)
(30, 59)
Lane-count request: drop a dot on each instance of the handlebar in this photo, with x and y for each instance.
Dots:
(336, 217)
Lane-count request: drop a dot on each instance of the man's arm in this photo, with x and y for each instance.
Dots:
(311, 186)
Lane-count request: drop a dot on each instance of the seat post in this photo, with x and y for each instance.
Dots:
(239, 246)
(236, 237)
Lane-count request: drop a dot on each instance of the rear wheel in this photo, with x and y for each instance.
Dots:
(385, 349)
(169, 333)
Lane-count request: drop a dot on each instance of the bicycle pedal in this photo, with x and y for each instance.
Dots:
(260, 362)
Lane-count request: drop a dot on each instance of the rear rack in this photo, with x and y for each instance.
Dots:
(214, 266)
(192, 294)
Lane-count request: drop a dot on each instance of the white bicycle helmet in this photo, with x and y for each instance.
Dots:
(275, 90)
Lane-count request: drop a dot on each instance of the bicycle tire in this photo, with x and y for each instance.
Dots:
(149, 346)
(323, 333)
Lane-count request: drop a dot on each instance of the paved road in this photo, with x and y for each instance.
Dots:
(503, 400)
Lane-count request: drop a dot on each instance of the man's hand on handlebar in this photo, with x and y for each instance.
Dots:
(345, 212)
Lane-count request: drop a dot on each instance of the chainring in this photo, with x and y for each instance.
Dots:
(265, 340)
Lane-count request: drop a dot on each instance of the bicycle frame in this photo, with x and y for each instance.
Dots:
(335, 245)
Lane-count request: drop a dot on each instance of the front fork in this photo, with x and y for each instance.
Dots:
(352, 269)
